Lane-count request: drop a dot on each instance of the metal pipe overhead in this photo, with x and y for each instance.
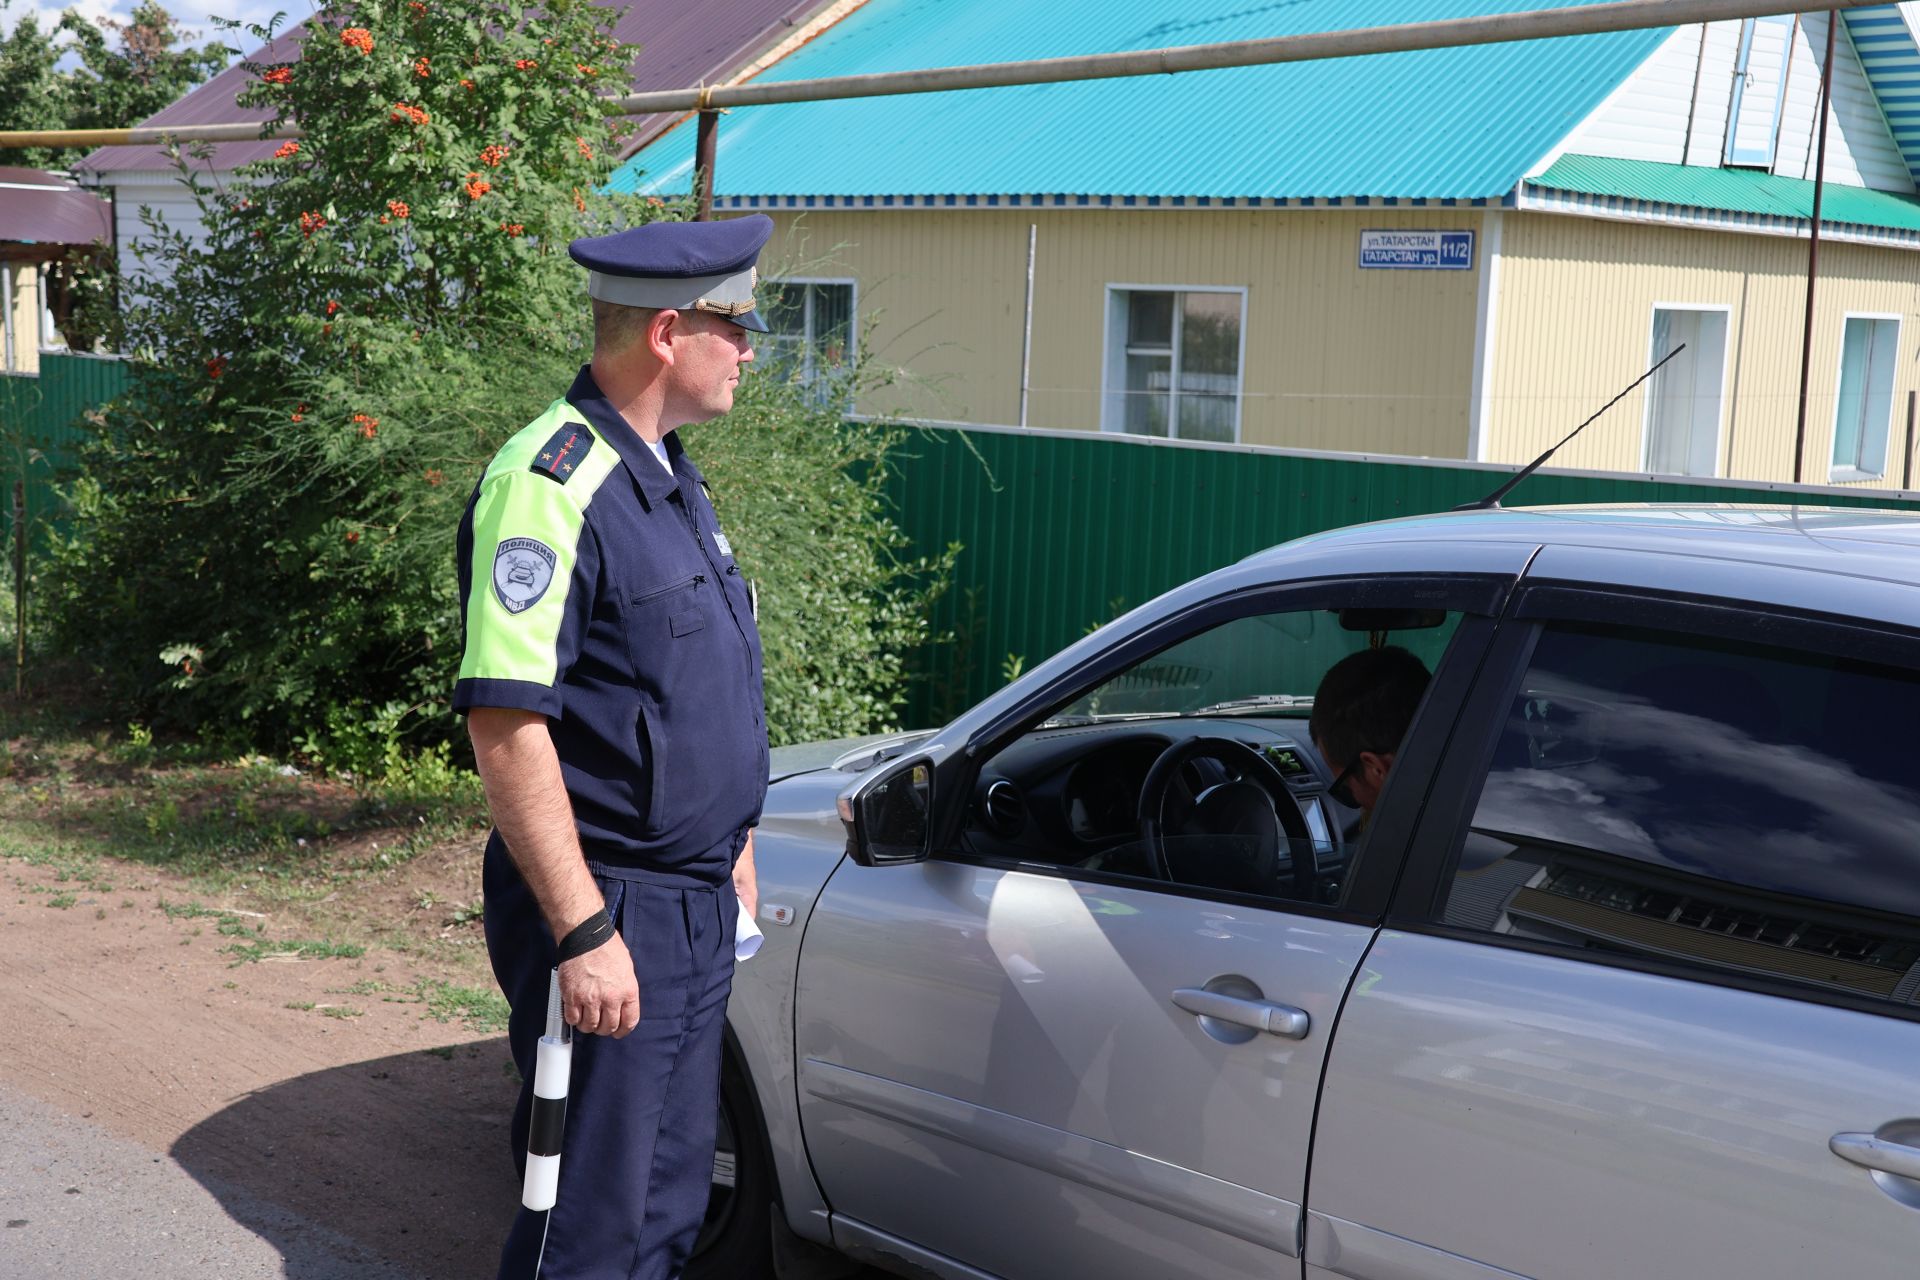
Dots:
(145, 137)
(1497, 28)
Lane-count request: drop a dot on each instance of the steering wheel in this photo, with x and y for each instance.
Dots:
(1257, 774)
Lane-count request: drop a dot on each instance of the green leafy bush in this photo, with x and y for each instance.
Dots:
(262, 540)
(801, 493)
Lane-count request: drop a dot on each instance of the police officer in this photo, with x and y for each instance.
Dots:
(612, 686)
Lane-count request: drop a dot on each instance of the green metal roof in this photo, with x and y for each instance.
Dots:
(1461, 123)
(1734, 190)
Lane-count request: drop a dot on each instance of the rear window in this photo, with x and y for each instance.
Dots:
(1735, 806)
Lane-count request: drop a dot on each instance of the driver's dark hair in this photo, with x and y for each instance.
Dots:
(1366, 701)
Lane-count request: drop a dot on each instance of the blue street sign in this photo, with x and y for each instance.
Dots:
(1416, 250)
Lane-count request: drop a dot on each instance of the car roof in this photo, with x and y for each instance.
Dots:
(1857, 541)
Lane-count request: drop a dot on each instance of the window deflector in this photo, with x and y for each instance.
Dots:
(1464, 594)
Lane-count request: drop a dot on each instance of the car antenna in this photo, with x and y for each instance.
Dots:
(1492, 500)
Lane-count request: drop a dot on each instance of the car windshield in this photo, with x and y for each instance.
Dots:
(1265, 665)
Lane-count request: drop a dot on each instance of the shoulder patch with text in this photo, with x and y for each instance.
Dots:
(562, 453)
(522, 572)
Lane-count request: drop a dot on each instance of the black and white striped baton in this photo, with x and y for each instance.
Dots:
(552, 1065)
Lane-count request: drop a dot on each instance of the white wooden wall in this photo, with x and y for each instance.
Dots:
(1860, 150)
(168, 198)
(1648, 118)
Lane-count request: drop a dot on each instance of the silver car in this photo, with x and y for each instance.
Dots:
(1620, 977)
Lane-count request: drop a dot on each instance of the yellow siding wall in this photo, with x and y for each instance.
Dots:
(1336, 357)
(1574, 326)
(22, 308)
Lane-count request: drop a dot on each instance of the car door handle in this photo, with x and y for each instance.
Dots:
(1870, 1151)
(1261, 1015)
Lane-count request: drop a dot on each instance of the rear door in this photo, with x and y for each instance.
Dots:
(1648, 1003)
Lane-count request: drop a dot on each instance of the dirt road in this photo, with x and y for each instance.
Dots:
(311, 1097)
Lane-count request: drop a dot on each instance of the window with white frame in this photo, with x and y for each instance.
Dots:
(51, 338)
(1759, 84)
(812, 328)
(1865, 403)
(1173, 362)
(1684, 398)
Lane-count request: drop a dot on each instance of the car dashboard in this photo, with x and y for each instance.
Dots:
(1070, 796)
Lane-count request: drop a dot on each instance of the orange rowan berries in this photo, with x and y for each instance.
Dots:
(278, 75)
(585, 150)
(468, 85)
(332, 306)
(398, 208)
(358, 38)
(404, 113)
(477, 186)
(216, 366)
(368, 425)
(421, 69)
(524, 64)
(492, 155)
(310, 222)
(287, 149)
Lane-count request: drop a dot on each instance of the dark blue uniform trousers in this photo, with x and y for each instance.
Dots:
(636, 1161)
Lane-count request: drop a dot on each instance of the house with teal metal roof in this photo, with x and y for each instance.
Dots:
(1453, 253)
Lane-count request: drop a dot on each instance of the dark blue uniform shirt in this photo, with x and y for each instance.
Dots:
(600, 591)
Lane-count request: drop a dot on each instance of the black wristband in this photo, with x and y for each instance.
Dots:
(596, 930)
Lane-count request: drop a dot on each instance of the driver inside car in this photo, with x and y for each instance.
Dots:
(1361, 711)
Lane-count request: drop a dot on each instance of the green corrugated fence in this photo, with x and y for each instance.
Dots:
(43, 414)
(1063, 531)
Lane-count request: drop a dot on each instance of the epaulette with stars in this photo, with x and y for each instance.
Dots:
(562, 454)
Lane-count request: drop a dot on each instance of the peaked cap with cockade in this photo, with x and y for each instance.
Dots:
(685, 266)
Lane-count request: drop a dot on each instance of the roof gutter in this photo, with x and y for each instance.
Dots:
(1497, 28)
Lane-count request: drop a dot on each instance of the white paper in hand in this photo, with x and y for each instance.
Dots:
(746, 937)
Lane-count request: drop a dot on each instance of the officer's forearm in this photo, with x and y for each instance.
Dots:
(521, 772)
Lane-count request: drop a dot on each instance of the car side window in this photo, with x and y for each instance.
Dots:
(1731, 806)
(1199, 766)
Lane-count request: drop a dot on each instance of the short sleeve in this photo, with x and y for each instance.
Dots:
(530, 564)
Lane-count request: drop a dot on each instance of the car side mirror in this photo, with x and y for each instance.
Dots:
(890, 817)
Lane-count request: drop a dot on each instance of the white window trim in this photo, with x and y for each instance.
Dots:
(1113, 423)
(806, 321)
(1726, 364)
(6, 317)
(50, 339)
(1853, 475)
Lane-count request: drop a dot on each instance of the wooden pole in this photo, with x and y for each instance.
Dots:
(1906, 471)
(19, 587)
(703, 150)
(1813, 245)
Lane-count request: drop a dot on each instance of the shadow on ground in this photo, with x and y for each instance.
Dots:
(405, 1156)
